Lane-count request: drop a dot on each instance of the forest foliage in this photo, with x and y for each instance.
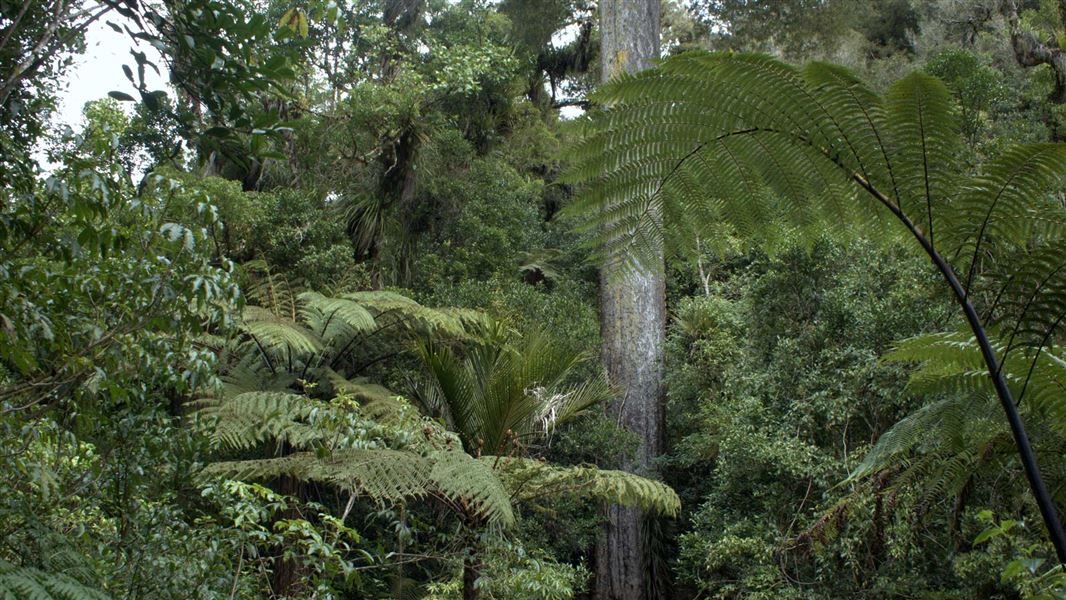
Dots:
(318, 319)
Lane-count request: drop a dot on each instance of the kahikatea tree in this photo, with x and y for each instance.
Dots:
(632, 324)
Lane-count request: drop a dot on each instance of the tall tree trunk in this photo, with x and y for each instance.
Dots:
(633, 325)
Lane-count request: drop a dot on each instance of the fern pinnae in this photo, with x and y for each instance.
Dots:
(995, 201)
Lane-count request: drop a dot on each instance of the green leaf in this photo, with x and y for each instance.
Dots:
(1011, 570)
(986, 535)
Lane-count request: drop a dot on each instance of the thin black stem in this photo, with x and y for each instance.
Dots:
(1021, 439)
(263, 353)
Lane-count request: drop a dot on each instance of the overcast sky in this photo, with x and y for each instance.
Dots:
(99, 70)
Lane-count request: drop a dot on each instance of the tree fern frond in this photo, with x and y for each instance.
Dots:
(386, 475)
(249, 372)
(950, 425)
(1006, 201)
(753, 145)
(331, 318)
(380, 474)
(704, 138)
(271, 290)
(28, 583)
(278, 336)
(531, 480)
(391, 307)
(922, 131)
(250, 419)
(474, 486)
(1032, 304)
(750, 142)
(359, 388)
(951, 364)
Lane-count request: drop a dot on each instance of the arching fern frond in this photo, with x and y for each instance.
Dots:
(472, 485)
(752, 146)
(393, 308)
(333, 318)
(398, 457)
(278, 336)
(28, 583)
(954, 425)
(250, 419)
(1007, 203)
(937, 449)
(713, 139)
(378, 473)
(532, 480)
(272, 291)
(464, 484)
(951, 365)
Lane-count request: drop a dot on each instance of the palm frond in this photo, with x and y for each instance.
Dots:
(501, 393)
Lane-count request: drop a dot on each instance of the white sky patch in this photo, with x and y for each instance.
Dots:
(565, 35)
(570, 112)
(99, 70)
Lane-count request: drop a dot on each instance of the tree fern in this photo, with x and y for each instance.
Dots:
(304, 335)
(394, 308)
(334, 444)
(277, 337)
(953, 425)
(951, 364)
(334, 318)
(498, 393)
(703, 138)
(747, 145)
(962, 426)
(250, 419)
(27, 583)
(533, 480)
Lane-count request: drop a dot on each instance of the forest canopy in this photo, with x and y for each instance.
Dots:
(533, 299)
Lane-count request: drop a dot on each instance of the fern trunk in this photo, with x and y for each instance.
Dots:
(633, 325)
(470, 577)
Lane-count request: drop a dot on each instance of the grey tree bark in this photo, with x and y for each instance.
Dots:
(633, 326)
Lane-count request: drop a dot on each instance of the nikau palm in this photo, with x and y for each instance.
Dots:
(501, 395)
(708, 146)
(496, 399)
(504, 392)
